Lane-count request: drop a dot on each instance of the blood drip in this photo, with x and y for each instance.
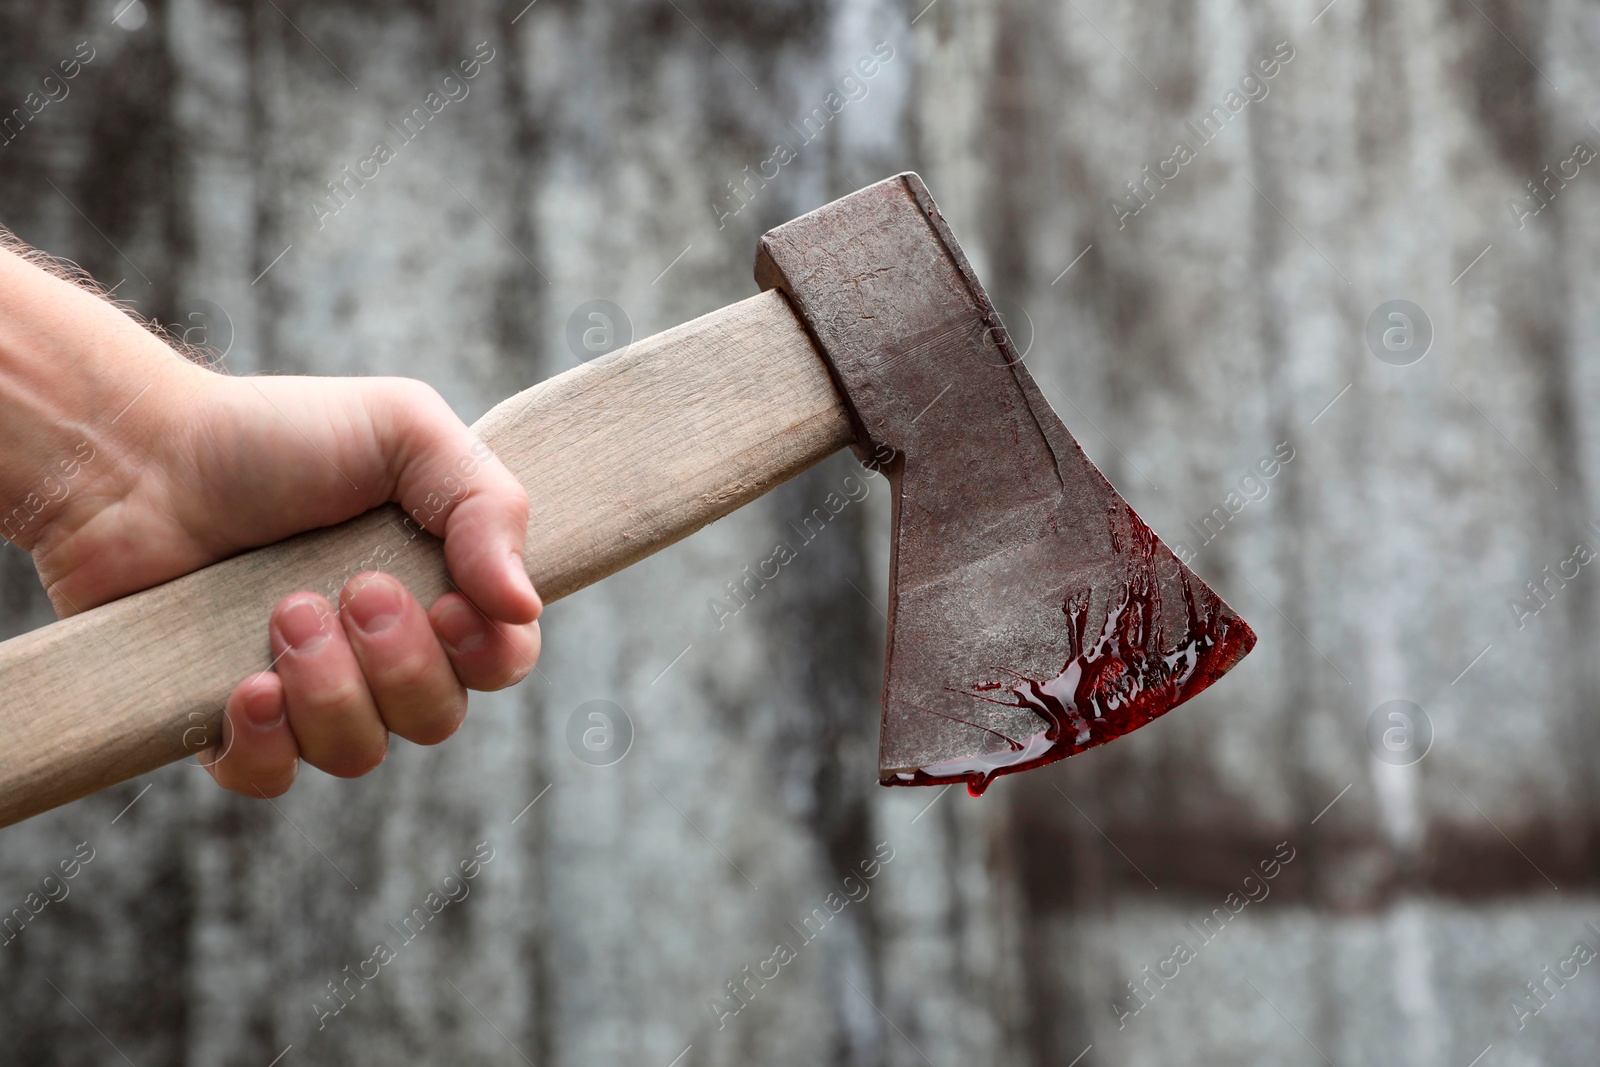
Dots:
(1115, 685)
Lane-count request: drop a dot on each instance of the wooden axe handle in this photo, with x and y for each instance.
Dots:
(621, 457)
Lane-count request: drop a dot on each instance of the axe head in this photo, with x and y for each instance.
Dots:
(1032, 614)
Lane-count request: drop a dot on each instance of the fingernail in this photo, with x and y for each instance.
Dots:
(460, 628)
(375, 605)
(263, 710)
(302, 625)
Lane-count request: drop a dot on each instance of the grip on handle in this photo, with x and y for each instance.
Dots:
(621, 457)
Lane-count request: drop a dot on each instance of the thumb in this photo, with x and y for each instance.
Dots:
(450, 483)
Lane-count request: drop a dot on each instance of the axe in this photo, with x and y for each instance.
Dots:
(1032, 615)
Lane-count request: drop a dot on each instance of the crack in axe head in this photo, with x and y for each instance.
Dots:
(1032, 614)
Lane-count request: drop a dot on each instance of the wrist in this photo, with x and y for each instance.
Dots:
(82, 388)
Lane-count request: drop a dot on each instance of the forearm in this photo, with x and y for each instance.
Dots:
(71, 364)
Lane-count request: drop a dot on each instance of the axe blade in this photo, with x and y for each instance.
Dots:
(1032, 614)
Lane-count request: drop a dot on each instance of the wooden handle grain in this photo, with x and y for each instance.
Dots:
(621, 457)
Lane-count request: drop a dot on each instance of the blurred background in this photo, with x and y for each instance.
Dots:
(1410, 751)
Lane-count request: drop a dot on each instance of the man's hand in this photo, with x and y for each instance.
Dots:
(188, 467)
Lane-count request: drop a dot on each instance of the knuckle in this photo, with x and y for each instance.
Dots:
(331, 700)
(517, 494)
(420, 399)
(511, 488)
(404, 675)
(412, 391)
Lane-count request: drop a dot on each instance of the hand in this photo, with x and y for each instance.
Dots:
(202, 466)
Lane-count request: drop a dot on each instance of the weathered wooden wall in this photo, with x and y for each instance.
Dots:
(1184, 343)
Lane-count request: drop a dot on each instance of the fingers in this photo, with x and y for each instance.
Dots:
(454, 486)
(410, 680)
(329, 706)
(258, 755)
(344, 681)
(486, 654)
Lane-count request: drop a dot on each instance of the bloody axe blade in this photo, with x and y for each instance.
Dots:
(1032, 614)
